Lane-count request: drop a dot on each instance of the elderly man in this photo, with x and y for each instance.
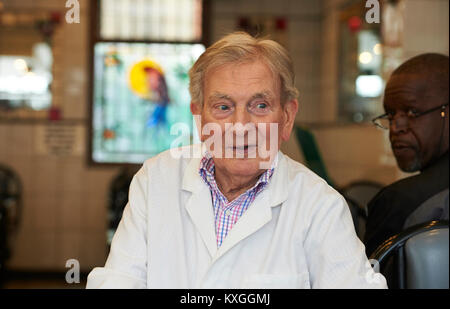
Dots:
(241, 215)
(416, 104)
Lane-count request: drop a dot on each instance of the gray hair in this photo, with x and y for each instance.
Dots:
(241, 47)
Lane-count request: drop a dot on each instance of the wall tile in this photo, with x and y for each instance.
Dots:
(20, 140)
(46, 212)
(71, 217)
(94, 250)
(4, 133)
(34, 251)
(69, 244)
(47, 175)
(304, 7)
(95, 213)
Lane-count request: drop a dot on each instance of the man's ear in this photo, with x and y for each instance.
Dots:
(290, 111)
(196, 108)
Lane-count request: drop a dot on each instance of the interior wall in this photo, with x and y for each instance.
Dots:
(64, 199)
(426, 27)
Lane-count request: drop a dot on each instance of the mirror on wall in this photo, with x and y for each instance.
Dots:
(361, 80)
(368, 53)
(26, 61)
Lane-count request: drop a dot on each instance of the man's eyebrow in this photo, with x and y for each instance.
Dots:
(267, 95)
(219, 96)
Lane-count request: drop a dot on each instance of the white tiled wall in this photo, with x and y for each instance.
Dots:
(64, 199)
(426, 27)
(64, 203)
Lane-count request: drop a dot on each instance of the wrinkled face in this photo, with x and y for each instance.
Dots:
(240, 111)
(415, 142)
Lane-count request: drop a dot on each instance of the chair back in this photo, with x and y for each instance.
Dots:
(420, 255)
(10, 197)
(118, 199)
(427, 260)
(10, 213)
(358, 194)
(361, 192)
(359, 217)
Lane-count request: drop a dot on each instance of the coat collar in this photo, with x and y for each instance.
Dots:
(200, 209)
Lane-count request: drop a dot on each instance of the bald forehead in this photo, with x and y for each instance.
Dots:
(406, 82)
(423, 84)
(432, 70)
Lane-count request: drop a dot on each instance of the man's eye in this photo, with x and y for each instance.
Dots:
(261, 105)
(223, 107)
(412, 113)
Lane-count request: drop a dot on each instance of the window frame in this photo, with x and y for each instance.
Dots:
(94, 38)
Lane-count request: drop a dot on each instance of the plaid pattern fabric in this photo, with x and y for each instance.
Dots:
(226, 213)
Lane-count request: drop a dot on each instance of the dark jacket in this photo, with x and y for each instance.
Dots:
(392, 206)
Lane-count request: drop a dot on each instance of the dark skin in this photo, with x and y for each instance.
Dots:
(416, 143)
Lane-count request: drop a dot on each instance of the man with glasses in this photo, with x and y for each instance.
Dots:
(416, 105)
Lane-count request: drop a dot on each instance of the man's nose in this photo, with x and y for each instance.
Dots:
(399, 124)
(241, 115)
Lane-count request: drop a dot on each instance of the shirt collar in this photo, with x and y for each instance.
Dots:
(207, 172)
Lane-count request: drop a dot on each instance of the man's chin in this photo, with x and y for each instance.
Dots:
(243, 166)
(409, 166)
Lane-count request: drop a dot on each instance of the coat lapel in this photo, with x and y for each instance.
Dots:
(200, 209)
(260, 212)
(199, 205)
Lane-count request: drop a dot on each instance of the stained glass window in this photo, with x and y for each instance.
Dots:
(140, 92)
(142, 54)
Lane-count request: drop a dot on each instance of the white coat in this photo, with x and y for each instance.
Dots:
(298, 233)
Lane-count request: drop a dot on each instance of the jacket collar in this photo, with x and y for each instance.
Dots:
(200, 209)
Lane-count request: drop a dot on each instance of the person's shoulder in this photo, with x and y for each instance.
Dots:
(412, 185)
(403, 186)
(306, 179)
(171, 157)
(168, 163)
(396, 195)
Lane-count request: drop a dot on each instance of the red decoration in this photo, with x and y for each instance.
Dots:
(55, 17)
(281, 24)
(354, 24)
(54, 113)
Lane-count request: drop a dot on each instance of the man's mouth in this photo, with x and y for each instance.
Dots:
(244, 150)
(401, 145)
(244, 147)
(401, 148)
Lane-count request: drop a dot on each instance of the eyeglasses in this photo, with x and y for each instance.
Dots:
(384, 121)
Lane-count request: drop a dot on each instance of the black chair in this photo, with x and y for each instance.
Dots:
(359, 217)
(10, 212)
(361, 191)
(358, 194)
(417, 257)
(118, 199)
